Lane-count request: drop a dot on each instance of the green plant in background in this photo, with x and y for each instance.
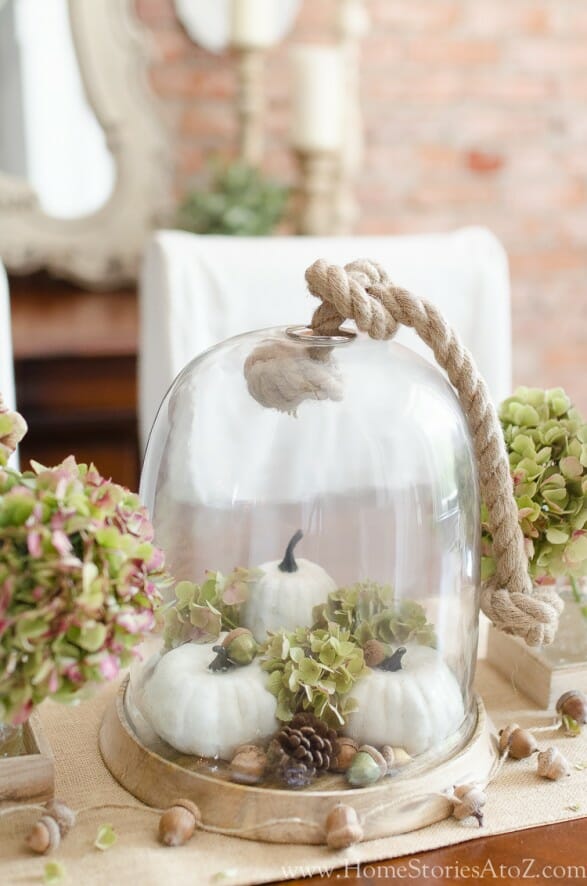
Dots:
(240, 202)
(201, 612)
(369, 611)
(546, 440)
(314, 670)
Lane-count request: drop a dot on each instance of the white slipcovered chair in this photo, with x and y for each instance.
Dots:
(6, 364)
(199, 290)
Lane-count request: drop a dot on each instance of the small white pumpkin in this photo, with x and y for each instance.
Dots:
(285, 594)
(414, 708)
(210, 713)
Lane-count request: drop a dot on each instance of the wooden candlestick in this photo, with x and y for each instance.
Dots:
(250, 104)
(352, 25)
(318, 178)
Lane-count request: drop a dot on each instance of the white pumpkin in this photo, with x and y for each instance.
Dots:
(414, 708)
(210, 713)
(285, 594)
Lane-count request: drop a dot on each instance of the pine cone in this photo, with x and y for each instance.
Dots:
(303, 747)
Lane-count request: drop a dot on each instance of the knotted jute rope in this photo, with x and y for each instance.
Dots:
(362, 292)
(280, 376)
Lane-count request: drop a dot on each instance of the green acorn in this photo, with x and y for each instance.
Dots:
(239, 647)
(367, 767)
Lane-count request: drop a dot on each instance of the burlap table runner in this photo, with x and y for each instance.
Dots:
(517, 799)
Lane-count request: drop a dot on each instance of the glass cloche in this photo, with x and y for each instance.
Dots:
(317, 500)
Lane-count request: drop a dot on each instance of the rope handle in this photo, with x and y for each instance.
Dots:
(362, 291)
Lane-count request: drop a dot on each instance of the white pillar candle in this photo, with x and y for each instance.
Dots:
(253, 23)
(317, 98)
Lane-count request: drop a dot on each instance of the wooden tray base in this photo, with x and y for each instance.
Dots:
(29, 776)
(394, 806)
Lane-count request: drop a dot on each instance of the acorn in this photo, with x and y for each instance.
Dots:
(395, 758)
(239, 647)
(345, 750)
(178, 823)
(573, 704)
(248, 764)
(48, 831)
(367, 767)
(44, 836)
(519, 743)
(343, 827)
(552, 764)
(374, 652)
(469, 800)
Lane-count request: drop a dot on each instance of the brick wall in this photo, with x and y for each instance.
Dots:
(475, 112)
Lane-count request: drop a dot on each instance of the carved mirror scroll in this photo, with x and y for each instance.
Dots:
(82, 194)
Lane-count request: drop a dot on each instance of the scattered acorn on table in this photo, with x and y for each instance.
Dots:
(178, 823)
(51, 827)
(468, 801)
(553, 765)
(572, 706)
(519, 743)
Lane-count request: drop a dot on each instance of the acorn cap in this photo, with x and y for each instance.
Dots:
(63, 815)
(374, 652)
(232, 635)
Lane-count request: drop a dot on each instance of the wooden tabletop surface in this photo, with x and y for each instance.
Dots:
(545, 855)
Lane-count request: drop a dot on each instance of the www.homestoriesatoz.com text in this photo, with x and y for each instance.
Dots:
(417, 869)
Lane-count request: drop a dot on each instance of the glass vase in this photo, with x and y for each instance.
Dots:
(570, 644)
(11, 740)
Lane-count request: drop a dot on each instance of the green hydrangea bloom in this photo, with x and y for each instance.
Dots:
(546, 440)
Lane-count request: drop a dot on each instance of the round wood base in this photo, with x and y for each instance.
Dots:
(394, 806)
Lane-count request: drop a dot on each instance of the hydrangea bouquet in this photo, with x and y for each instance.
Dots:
(546, 439)
(79, 578)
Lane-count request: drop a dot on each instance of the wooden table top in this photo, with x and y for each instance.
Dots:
(545, 855)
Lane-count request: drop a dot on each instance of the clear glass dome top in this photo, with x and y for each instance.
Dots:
(358, 453)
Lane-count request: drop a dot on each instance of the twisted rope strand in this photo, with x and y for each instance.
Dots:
(362, 292)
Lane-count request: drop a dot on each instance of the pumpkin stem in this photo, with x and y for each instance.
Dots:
(288, 564)
(222, 661)
(393, 662)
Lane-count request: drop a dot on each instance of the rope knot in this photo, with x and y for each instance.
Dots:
(351, 293)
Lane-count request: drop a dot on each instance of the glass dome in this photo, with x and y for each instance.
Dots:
(317, 501)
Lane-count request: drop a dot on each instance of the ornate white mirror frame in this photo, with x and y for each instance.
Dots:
(101, 249)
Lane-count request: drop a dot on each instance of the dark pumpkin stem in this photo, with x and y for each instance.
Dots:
(393, 662)
(288, 564)
(222, 661)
